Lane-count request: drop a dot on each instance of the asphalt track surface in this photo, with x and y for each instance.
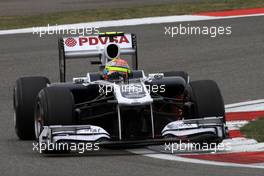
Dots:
(35, 7)
(235, 62)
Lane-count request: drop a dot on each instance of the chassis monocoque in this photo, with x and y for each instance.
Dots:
(144, 109)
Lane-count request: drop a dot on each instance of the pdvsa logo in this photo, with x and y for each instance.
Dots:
(94, 40)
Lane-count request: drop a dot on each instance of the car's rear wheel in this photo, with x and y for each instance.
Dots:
(207, 98)
(25, 92)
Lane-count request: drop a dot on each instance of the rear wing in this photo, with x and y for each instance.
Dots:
(93, 47)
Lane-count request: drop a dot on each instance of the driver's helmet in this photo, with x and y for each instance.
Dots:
(117, 69)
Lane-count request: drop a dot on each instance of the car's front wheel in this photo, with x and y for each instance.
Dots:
(208, 102)
(54, 106)
(207, 98)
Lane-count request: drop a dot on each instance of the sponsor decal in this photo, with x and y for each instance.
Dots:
(88, 43)
(94, 40)
(70, 42)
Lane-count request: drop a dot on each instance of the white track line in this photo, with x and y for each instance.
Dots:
(255, 105)
(125, 22)
(236, 124)
(115, 23)
(190, 160)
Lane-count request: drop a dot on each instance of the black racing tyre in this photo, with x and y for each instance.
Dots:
(54, 106)
(24, 96)
(207, 98)
(182, 74)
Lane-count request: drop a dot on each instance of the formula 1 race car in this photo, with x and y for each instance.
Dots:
(141, 110)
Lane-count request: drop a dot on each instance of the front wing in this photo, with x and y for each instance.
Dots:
(193, 130)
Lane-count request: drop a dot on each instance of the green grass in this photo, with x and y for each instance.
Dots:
(254, 129)
(8, 22)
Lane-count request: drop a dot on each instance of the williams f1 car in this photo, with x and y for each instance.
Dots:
(145, 109)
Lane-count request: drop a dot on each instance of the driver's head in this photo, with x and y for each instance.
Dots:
(117, 69)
